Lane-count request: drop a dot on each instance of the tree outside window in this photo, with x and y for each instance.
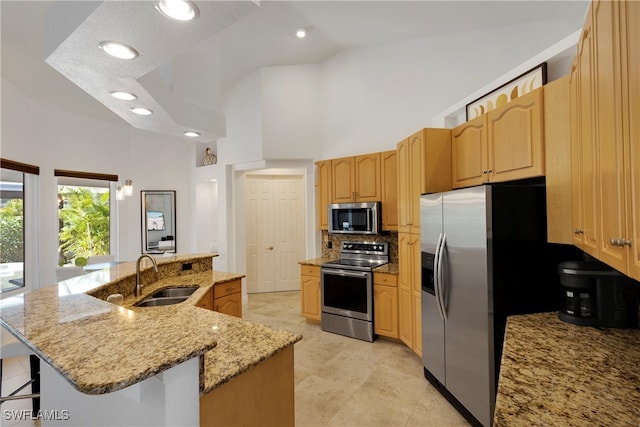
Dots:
(83, 216)
(11, 230)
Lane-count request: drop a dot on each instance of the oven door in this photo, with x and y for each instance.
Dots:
(347, 293)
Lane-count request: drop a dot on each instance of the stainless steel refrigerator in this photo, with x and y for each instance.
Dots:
(484, 257)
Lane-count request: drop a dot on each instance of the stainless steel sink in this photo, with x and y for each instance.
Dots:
(156, 302)
(167, 296)
(175, 291)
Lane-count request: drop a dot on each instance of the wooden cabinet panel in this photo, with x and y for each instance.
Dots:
(515, 139)
(436, 170)
(227, 288)
(404, 188)
(230, 304)
(630, 16)
(577, 236)
(367, 178)
(323, 191)
(310, 292)
(587, 141)
(385, 310)
(385, 279)
(206, 301)
(343, 176)
(557, 136)
(469, 153)
(607, 105)
(389, 189)
(409, 291)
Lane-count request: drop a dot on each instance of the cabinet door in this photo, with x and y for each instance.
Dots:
(416, 290)
(385, 310)
(515, 133)
(323, 191)
(367, 177)
(557, 137)
(389, 174)
(469, 153)
(630, 16)
(404, 180)
(587, 146)
(416, 170)
(206, 301)
(436, 167)
(405, 292)
(343, 176)
(230, 304)
(576, 160)
(607, 86)
(310, 290)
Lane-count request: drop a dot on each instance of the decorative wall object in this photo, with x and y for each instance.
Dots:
(524, 83)
(158, 221)
(209, 157)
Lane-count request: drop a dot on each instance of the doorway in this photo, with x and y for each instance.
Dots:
(275, 232)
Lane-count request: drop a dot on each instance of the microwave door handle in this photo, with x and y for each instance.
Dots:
(441, 283)
(436, 278)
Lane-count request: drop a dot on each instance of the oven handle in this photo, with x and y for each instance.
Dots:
(341, 272)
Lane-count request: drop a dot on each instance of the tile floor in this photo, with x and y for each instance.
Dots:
(340, 381)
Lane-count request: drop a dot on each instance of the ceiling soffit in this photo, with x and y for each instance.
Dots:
(73, 31)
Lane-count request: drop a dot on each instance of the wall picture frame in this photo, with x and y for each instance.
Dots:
(521, 85)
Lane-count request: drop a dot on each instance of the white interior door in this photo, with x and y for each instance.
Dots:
(275, 232)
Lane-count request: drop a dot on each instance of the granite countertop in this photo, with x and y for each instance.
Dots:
(316, 262)
(100, 347)
(555, 373)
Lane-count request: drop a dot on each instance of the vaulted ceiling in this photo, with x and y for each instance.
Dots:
(182, 72)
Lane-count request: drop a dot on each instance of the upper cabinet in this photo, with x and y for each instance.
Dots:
(389, 177)
(503, 145)
(356, 179)
(323, 193)
(424, 161)
(606, 140)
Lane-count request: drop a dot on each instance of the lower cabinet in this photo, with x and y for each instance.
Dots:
(410, 291)
(310, 290)
(225, 297)
(385, 304)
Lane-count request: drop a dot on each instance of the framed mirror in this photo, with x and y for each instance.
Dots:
(158, 221)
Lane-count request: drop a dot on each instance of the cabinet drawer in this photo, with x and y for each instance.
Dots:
(309, 270)
(227, 288)
(385, 279)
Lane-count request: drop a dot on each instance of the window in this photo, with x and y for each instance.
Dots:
(15, 179)
(84, 217)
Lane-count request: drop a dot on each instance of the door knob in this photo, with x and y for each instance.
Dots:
(270, 248)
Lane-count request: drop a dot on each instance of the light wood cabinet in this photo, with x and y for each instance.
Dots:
(227, 298)
(469, 153)
(206, 301)
(409, 291)
(505, 144)
(577, 235)
(557, 136)
(356, 179)
(606, 142)
(424, 161)
(385, 304)
(310, 292)
(323, 192)
(389, 187)
(516, 139)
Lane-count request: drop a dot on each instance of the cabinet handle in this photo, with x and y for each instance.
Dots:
(578, 231)
(626, 242)
(620, 242)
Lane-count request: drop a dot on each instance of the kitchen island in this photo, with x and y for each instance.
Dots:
(127, 365)
(558, 374)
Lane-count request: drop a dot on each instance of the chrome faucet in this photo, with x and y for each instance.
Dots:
(138, 290)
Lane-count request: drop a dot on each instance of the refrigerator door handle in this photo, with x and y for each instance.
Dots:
(436, 276)
(440, 282)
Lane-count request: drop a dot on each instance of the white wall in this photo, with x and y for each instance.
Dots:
(52, 139)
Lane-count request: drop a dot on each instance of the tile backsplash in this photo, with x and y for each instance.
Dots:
(335, 239)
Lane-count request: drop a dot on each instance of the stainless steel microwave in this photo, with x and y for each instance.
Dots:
(355, 218)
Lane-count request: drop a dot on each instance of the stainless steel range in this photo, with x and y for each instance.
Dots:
(347, 289)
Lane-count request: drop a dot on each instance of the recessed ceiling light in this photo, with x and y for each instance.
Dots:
(191, 134)
(301, 33)
(125, 96)
(141, 111)
(118, 50)
(182, 10)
